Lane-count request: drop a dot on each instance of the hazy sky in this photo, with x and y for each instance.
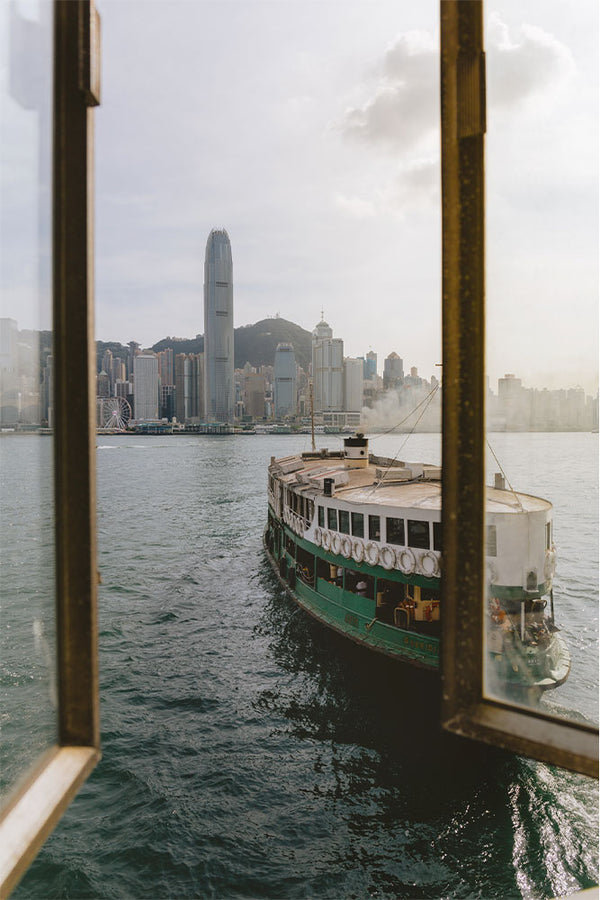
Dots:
(310, 131)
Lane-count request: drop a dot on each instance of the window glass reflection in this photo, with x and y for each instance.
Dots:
(27, 623)
(541, 617)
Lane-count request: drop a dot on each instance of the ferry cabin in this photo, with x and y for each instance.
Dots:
(358, 540)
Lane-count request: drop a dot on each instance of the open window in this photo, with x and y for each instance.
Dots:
(48, 627)
(470, 705)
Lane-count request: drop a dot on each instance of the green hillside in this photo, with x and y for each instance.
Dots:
(252, 343)
(256, 343)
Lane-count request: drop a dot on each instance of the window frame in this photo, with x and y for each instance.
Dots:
(465, 710)
(38, 802)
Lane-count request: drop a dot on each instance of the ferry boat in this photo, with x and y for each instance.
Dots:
(357, 541)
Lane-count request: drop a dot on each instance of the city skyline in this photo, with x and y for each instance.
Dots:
(319, 150)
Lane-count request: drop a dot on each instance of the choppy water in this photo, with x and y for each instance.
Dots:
(248, 753)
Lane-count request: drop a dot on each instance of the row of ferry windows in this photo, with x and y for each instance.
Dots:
(409, 532)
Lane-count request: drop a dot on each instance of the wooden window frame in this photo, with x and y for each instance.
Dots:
(465, 709)
(39, 801)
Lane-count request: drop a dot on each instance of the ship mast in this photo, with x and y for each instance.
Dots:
(312, 416)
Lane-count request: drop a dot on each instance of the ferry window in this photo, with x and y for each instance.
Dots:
(358, 525)
(332, 519)
(47, 127)
(437, 536)
(394, 530)
(474, 606)
(323, 569)
(418, 534)
(374, 528)
(310, 510)
(358, 583)
(491, 543)
(321, 516)
(344, 521)
(548, 535)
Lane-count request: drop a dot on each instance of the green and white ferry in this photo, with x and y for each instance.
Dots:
(357, 541)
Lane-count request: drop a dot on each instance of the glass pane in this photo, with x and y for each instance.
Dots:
(27, 624)
(542, 401)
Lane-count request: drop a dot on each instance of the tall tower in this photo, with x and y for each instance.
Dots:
(145, 385)
(219, 385)
(327, 369)
(284, 380)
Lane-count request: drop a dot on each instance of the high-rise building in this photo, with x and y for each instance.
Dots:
(393, 372)
(219, 387)
(328, 369)
(189, 400)
(370, 367)
(284, 380)
(353, 384)
(165, 366)
(145, 385)
(255, 395)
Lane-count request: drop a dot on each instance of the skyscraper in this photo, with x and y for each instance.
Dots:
(327, 369)
(284, 380)
(145, 385)
(219, 385)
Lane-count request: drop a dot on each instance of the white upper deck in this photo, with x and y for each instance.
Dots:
(401, 484)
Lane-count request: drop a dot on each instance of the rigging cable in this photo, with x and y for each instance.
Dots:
(407, 417)
(429, 398)
(504, 474)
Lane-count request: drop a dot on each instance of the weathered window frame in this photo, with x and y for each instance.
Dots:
(38, 803)
(465, 709)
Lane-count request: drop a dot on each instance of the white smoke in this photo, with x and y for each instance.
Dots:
(406, 410)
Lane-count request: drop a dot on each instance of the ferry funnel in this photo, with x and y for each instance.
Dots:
(356, 451)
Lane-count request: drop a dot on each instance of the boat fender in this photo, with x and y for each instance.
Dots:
(387, 557)
(405, 560)
(371, 553)
(346, 547)
(429, 564)
(318, 536)
(326, 541)
(358, 551)
(336, 544)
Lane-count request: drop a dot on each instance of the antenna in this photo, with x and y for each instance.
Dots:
(312, 416)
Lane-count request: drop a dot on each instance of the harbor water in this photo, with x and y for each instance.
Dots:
(248, 753)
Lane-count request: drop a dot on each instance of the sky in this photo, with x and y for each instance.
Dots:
(310, 131)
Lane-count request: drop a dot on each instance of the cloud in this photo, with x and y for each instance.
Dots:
(526, 66)
(402, 112)
(405, 105)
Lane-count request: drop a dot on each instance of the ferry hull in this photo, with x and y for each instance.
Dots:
(340, 612)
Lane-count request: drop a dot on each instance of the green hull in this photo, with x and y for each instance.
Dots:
(354, 616)
(518, 669)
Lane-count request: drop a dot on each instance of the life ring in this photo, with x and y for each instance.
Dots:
(318, 536)
(336, 544)
(358, 550)
(429, 564)
(405, 560)
(346, 546)
(371, 553)
(387, 557)
(326, 541)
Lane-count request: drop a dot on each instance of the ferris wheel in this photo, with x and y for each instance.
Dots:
(116, 413)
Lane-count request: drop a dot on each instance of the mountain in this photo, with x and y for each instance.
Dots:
(253, 343)
(256, 343)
